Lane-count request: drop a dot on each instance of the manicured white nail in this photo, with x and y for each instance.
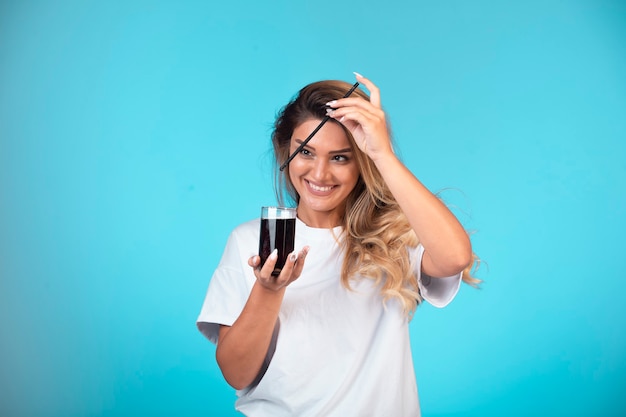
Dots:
(330, 112)
(274, 254)
(331, 103)
(293, 257)
(358, 75)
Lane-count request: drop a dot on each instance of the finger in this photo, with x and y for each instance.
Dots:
(352, 102)
(363, 119)
(369, 110)
(254, 261)
(374, 91)
(285, 274)
(297, 270)
(344, 111)
(270, 263)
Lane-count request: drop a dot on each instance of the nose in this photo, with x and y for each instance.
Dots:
(320, 170)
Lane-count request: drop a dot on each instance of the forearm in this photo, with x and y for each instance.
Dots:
(243, 346)
(446, 243)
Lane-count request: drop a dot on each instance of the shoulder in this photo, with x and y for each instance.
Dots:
(247, 228)
(242, 243)
(245, 237)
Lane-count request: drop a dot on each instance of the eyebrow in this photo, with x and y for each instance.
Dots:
(337, 151)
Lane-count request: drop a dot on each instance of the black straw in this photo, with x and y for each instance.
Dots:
(324, 120)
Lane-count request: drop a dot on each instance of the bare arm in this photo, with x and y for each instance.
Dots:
(447, 246)
(242, 347)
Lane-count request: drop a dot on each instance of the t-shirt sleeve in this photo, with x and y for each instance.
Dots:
(437, 291)
(228, 292)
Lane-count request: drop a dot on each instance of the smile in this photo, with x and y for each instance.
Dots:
(318, 188)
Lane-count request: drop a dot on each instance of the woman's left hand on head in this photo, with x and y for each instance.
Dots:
(365, 120)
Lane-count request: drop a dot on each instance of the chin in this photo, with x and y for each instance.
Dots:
(320, 208)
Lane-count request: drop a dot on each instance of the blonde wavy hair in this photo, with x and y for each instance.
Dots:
(376, 231)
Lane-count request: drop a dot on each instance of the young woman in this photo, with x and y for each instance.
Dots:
(329, 336)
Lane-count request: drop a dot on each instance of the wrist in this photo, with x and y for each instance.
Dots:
(268, 292)
(384, 160)
(265, 301)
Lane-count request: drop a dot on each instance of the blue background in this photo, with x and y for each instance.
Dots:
(135, 136)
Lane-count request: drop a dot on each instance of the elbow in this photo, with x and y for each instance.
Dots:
(457, 261)
(235, 376)
(463, 258)
(236, 383)
(463, 262)
(447, 261)
(452, 267)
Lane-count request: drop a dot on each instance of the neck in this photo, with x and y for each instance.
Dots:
(323, 220)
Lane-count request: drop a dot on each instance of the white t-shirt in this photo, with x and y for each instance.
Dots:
(335, 352)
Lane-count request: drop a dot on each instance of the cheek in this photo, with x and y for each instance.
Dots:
(295, 169)
(352, 174)
(289, 177)
(293, 177)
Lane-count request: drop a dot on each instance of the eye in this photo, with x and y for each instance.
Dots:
(341, 158)
(305, 152)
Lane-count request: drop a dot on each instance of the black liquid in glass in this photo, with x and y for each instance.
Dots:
(277, 234)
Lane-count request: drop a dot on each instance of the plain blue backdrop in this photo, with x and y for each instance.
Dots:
(135, 136)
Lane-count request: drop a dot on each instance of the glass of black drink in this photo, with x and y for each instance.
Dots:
(278, 231)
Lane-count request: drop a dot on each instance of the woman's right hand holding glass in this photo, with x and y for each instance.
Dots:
(290, 272)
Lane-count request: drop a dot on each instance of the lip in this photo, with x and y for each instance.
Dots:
(319, 190)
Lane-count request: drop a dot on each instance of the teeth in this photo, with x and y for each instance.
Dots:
(321, 189)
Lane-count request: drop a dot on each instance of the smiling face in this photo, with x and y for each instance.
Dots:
(323, 174)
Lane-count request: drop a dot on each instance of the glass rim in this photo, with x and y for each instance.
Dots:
(278, 212)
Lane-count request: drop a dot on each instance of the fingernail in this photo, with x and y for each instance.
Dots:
(330, 112)
(342, 119)
(274, 254)
(358, 75)
(331, 103)
(293, 257)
